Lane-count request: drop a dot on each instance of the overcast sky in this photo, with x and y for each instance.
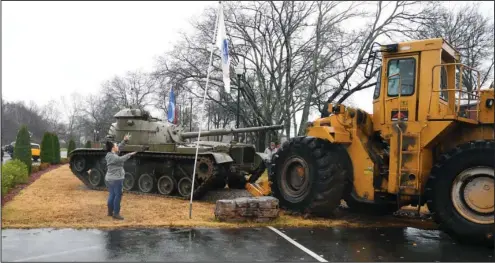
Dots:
(51, 48)
(55, 48)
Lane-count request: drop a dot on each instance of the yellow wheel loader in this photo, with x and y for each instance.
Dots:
(429, 140)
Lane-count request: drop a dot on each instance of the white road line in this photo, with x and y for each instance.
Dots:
(59, 253)
(311, 253)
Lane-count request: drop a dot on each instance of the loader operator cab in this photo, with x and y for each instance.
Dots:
(419, 81)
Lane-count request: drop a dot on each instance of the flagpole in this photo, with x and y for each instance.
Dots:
(203, 107)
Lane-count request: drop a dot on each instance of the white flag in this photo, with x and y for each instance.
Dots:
(223, 45)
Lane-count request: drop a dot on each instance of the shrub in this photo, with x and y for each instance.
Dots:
(22, 147)
(43, 166)
(13, 173)
(88, 144)
(72, 146)
(46, 148)
(56, 149)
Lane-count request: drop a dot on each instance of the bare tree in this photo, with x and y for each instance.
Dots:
(97, 116)
(135, 89)
(259, 41)
(51, 114)
(15, 114)
(470, 33)
(73, 108)
(388, 20)
(296, 54)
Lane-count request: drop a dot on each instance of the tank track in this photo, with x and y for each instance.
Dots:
(199, 191)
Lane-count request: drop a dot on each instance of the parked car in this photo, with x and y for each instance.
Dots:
(35, 150)
(9, 148)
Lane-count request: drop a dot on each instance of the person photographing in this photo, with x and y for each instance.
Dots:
(114, 178)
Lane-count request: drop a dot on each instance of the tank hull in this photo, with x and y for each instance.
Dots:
(144, 171)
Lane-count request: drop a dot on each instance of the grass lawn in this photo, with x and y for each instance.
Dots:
(59, 200)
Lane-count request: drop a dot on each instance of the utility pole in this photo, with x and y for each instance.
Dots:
(209, 111)
(190, 117)
(239, 71)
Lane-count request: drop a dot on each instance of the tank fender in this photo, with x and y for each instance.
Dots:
(221, 157)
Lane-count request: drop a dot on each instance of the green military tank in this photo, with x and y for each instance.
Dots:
(165, 160)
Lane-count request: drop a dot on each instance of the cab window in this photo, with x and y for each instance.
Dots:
(376, 94)
(401, 71)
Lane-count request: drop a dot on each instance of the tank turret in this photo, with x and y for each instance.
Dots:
(146, 130)
(165, 160)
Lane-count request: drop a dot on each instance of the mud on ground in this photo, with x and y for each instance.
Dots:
(59, 200)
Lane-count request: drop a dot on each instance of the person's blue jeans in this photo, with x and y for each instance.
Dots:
(115, 189)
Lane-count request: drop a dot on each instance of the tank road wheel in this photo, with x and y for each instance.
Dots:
(309, 175)
(96, 177)
(166, 185)
(146, 183)
(184, 186)
(129, 181)
(460, 192)
(79, 164)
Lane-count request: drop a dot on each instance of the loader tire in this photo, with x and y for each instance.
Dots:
(459, 192)
(320, 165)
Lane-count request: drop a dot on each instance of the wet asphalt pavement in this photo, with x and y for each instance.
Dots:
(248, 244)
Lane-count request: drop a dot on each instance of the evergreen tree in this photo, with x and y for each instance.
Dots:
(72, 146)
(56, 149)
(22, 148)
(46, 148)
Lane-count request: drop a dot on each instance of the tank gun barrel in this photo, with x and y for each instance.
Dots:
(218, 132)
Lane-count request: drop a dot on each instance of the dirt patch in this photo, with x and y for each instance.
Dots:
(35, 176)
(57, 200)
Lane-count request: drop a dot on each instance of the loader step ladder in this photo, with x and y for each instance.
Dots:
(415, 170)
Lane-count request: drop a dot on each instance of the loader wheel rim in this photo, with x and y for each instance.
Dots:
(95, 177)
(128, 181)
(184, 187)
(165, 185)
(295, 180)
(470, 190)
(145, 183)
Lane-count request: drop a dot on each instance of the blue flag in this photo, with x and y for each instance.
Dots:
(171, 107)
(223, 45)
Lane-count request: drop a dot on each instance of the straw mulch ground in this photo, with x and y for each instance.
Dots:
(59, 200)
